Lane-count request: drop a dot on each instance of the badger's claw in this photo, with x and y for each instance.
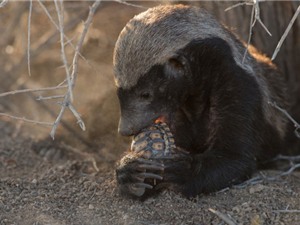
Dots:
(151, 175)
(133, 176)
(138, 189)
(150, 165)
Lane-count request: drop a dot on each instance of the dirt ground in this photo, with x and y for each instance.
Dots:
(45, 182)
(71, 180)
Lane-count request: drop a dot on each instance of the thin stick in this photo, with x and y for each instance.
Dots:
(255, 16)
(69, 41)
(28, 37)
(77, 116)
(60, 14)
(41, 98)
(288, 172)
(26, 120)
(296, 124)
(59, 117)
(260, 178)
(66, 102)
(223, 216)
(131, 4)
(250, 34)
(285, 33)
(87, 24)
(289, 158)
(238, 4)
(3, 3)
(33, 90)
(287, 211)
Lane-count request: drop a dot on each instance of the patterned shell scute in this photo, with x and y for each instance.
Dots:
(155, 142)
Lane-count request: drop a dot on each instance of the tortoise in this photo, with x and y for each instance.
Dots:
(151, 148)
(155, 141)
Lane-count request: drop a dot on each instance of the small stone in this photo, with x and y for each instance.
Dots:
(34, 181)
(236, 209)
(91, 206)
(256, 220)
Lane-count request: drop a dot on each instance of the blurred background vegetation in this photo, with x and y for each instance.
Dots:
(94, 94)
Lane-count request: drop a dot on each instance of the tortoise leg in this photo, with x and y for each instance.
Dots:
(131, 174)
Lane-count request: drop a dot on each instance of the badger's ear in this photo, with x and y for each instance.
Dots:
(175, 67)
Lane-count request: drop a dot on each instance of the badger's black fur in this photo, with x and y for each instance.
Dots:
(180, 64)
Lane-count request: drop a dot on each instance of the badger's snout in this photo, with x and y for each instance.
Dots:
(125, 128)
(133, 124)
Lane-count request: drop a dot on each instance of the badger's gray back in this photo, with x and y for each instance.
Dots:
(155, 35)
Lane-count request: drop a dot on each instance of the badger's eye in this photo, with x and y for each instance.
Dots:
(145, 95)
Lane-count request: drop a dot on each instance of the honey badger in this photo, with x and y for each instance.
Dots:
(179, 64)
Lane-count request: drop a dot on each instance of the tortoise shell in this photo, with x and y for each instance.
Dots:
(156, 141)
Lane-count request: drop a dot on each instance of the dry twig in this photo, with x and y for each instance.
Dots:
(60, 14)
(28, 37)
(223, 216)
(287, 211)
(26, 120)
(285, 33)
(262, 177)
(3, 3)
(68, 41)
(42, 44)
(42, 98)
(131, 4)
(289, 158)
(296, 124)
(255, 16)
(33, 90)
(66, 102)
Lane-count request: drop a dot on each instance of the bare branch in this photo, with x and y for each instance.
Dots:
(48, 14)
(60, 14)
(28, 37)
(289, 158)
(238, 4)
(288, 172)
(250, 34)
(223, 216)
(255, 16)
(3, 3)
(261, 177)
(254, 180)
(41, 98)
(68, 41)
(66, 102)
(287, 211)
(285, 33)
(77, 116)
(27, 120)
(87, 24)
(59, 117)
(296, 124)
(33, 90)
(131, 4)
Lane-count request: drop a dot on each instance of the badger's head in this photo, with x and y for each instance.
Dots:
(152, 72)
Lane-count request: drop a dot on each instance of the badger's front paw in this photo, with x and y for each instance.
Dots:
(136, 175)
